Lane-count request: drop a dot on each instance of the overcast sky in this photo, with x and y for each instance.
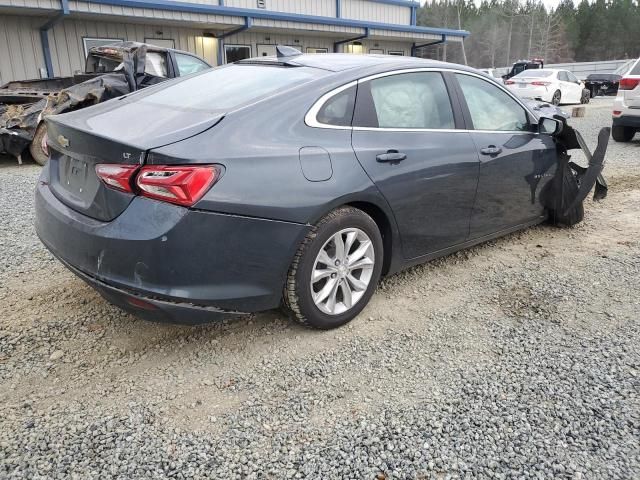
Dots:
(547, 3)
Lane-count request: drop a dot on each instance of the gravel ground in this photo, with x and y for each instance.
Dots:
(518, 358)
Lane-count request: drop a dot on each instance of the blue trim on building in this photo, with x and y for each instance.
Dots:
(400, 3)
(44, 35)
(177, 6)
(415, 46)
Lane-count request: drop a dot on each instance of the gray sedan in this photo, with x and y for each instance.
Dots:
(296, 181)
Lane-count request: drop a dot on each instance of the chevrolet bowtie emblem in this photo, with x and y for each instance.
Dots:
(63, 141)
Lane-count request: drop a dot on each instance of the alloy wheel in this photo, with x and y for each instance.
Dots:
(342, 271)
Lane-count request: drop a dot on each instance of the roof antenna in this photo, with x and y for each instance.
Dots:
(283, 51)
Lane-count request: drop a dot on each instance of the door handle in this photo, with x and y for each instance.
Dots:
(491, 150)
(392, 156)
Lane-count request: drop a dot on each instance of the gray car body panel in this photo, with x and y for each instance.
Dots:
(232, 250)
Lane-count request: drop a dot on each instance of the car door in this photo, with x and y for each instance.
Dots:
(405, 137)
(568, 88)
(515, 161)
(575, 86)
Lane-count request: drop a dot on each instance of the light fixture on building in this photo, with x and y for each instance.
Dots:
(355, 47)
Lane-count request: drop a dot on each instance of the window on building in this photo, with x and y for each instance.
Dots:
(188, 64)
(409, 100)
(317, 50)
(161, 42)
(234, 53)
(398, 53)
(90, 42)
(376, 51)
(490, 107)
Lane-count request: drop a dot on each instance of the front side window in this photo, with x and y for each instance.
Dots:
(491, 108)
(234, 53)
(572, 77)
(408, 100)
(188, 64)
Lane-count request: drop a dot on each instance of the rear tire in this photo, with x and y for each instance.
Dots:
(348, 280)
(35, 148)
(622, 134)
(557, 96)
(586, 97)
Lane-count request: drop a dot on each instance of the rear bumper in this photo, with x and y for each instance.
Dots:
(537, 93)
(191, 265)
(627, 120)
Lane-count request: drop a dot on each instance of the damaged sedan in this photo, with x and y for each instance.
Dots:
(297, 181)
(111, 71)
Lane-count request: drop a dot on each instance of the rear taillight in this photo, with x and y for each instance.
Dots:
(117, 176)
(182, 185)
(541, 84)
(628, 83)
(509, 82)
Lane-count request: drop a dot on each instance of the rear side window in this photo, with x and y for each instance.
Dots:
(338, 110)
(491, 108)
(408, 100)
(228, 87)
(636, 69)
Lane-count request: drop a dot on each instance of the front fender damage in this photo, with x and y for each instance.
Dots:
(572, 183)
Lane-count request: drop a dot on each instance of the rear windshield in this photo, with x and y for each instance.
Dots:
(636, 69)
(535, 73)
(229, 87)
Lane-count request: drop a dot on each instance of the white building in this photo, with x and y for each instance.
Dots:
(40, 38)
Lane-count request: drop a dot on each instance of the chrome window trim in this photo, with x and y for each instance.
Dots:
(311, 120)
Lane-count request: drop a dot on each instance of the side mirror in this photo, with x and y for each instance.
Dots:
(549, 126)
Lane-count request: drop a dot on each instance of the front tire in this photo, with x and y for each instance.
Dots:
(336, 270)
(622, 134)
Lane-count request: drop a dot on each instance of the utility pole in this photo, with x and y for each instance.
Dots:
(464, 53)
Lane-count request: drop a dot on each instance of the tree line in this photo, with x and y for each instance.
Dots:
(503, 31)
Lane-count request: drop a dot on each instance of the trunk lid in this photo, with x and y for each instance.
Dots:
(111, 132)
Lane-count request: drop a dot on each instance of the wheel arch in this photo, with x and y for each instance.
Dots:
(384, 225)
